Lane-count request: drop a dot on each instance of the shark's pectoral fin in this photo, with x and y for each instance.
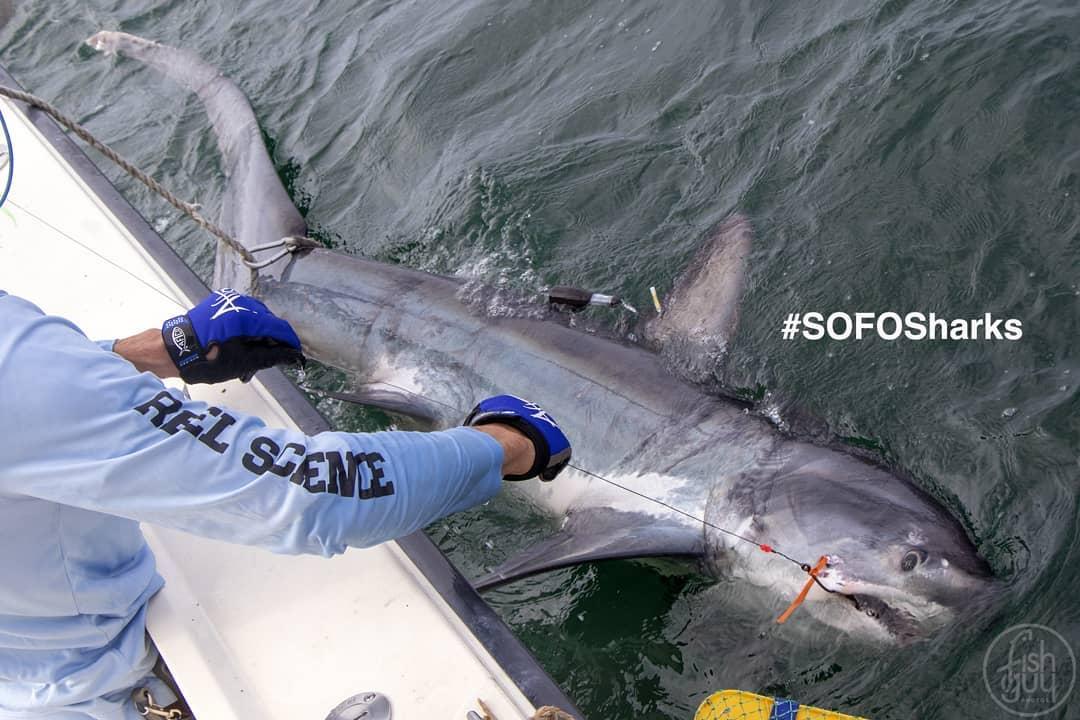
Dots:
(396, 401)
(600, 534)
(701, 314)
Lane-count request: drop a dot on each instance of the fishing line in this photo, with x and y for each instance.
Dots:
(95, 253)
(703, 521)
(764, 547)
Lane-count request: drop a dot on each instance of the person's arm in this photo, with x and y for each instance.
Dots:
(146, 351)
(80, 428)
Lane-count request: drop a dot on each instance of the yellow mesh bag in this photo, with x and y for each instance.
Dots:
(739, 705)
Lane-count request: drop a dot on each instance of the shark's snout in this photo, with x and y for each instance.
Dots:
(905, 592)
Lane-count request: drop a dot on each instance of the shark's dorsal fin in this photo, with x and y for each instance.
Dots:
(256, 208)
(702, 311)
(600, 534)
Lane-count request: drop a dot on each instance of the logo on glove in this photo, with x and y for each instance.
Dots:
(180, 340)
(537, 412)
(226, 303)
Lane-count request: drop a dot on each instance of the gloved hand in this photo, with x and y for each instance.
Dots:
(551, 445)
(248, 336)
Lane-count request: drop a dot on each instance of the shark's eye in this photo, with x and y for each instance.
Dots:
(911, 559)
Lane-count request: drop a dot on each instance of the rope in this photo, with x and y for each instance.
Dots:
(550, 712)
(547, 712)
(9, 160)
(189, 209)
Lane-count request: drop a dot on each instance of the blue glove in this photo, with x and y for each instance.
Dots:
(248, 336)
(552, 447)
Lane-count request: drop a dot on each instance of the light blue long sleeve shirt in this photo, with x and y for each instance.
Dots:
(90, 447)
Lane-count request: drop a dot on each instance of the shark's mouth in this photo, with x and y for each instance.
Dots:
(899, 623)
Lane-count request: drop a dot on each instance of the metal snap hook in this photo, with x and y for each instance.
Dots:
(363, 706)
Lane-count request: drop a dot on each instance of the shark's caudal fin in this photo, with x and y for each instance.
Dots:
(256, 208)
(600, 534)
(702, 312)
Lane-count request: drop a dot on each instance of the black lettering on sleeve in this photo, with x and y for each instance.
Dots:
(378, 488)
(287, 469)
(341, 474)
(210, 437)
(355, 479)
(309, 470)
(184, 420)
(261, 457)
(163, 404)
(365, 487)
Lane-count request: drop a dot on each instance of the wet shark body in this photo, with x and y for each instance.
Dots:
(899, 565)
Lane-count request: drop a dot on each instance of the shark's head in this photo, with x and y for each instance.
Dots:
(904, 573)
(899, 566)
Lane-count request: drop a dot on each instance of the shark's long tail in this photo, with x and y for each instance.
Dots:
(230, 113)
(256, 208)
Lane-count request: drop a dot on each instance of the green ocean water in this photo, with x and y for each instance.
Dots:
(891, 156)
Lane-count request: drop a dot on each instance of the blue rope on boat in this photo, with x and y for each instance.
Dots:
(10, 161)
